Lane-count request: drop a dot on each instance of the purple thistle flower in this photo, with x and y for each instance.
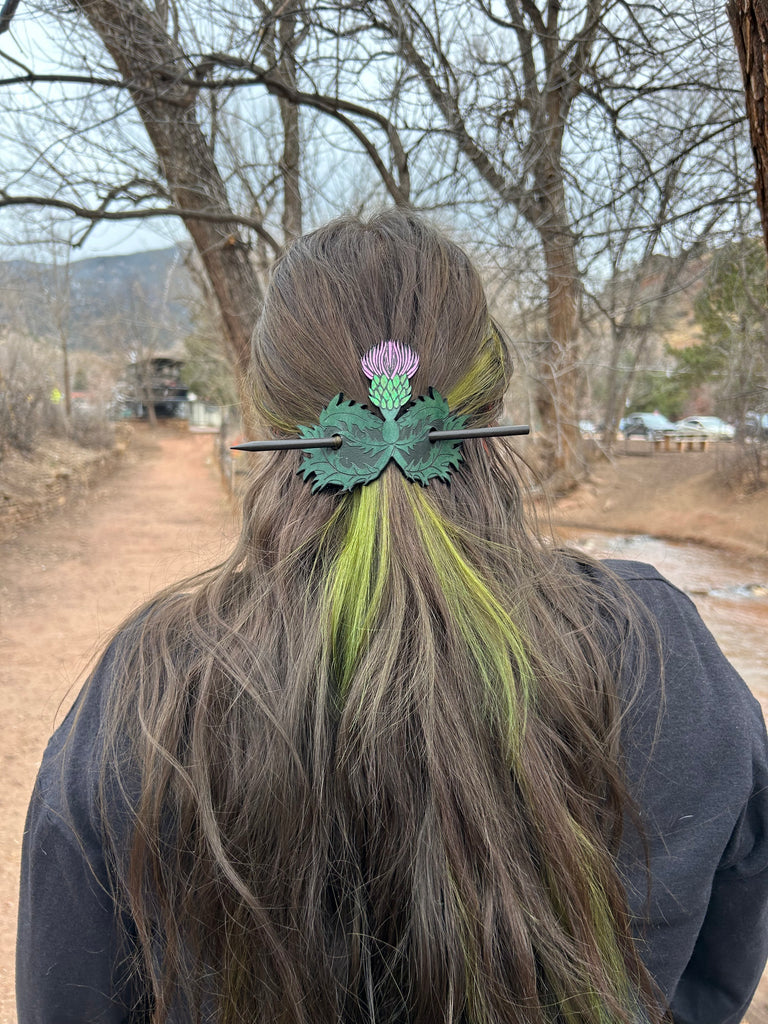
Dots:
(389, 359)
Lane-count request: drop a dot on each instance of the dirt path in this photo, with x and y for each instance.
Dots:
(65, 584)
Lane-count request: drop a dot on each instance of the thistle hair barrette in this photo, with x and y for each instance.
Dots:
(350, 445)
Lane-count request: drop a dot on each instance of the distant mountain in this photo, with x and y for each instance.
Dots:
(105, 303)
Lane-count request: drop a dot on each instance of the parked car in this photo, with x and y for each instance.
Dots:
(650, 425)
(707, 426)
(756, 424)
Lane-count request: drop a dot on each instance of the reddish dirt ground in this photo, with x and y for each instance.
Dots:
(69, 579)
(65, 583)
(683, 496)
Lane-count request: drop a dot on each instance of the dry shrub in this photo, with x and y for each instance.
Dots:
(91, 428)
(27, 411)
(743, 466)
(26, 383)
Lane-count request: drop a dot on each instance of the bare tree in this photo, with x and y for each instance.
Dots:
(637, 299)
(184, 89)
(154, 66)
(528, 98)
(749, 21)
(475, 111)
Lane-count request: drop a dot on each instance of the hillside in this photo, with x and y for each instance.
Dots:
(103, 303)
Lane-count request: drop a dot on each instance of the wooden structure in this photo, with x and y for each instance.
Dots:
(681, 443)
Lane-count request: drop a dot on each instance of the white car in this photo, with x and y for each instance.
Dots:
(756, 424)
(708, 426)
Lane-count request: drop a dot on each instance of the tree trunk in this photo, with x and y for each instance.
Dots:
(615, 392)
(290, 161)
(619, 383)
(148, 61)
(749, 21)
(559, 370)
(67, 378)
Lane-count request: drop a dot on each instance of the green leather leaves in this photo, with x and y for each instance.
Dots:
(418, 457)
(368, 443)
(363, 453)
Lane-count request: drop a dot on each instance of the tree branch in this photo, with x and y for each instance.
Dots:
(525, 42)
(32, 78)
(101, 213)
(276, 85)
(7, 13)
(449, 109)
(334, 106)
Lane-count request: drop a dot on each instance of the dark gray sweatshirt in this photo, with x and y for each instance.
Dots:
(697, 767)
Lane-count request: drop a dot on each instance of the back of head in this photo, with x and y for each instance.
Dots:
(341, 290)
(379, 746)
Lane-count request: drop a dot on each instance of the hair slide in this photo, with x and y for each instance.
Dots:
(336, 441)
(350, 445)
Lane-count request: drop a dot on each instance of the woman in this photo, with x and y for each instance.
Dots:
(395, 759)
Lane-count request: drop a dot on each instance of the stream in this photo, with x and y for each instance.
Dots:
(731, 593)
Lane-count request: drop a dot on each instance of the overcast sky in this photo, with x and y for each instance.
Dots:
(30, 41)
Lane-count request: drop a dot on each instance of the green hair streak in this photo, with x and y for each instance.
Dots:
(496, 644)
(355, 586)
(487, 376)
(604, 929)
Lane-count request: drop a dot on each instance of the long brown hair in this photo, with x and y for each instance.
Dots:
(373, 761)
